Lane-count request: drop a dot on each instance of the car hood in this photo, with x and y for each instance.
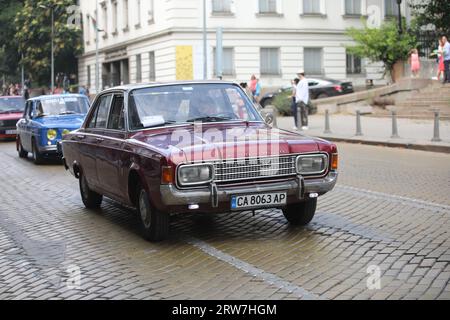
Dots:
(11, 116)
(210, 142)
(64, 121)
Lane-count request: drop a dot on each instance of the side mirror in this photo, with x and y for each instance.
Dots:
(269, 118)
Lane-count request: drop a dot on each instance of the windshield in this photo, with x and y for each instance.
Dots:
(178, 104)
(12, 104)
(62, 106)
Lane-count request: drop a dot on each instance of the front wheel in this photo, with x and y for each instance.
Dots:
(38, 158)
(91, 199)
(154, 224)
(301, 214)
(21, 151)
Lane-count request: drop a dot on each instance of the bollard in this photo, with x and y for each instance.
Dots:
(395, 134)
(437, 136)
(327, 122)
(358, 124)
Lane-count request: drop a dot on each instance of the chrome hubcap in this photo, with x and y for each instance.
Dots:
(144, 210)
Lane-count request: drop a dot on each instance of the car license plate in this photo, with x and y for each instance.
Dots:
(258, 200)
(10, 132)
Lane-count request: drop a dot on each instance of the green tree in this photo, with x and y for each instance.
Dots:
(9, 56)
(434, 12)
(383, 44)
(33, 33)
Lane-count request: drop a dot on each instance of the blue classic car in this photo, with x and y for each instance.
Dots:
(44, 122)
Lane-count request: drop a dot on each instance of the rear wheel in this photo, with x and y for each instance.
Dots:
(91, 199)
(21, 151)
(38, 158)
(154, 224)
(322, 96)
(301, 214)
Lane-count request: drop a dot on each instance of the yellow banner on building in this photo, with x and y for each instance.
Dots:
(184, 63)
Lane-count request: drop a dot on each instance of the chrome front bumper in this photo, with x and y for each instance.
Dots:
(297, 188)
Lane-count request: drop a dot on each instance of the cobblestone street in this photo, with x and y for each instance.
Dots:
(391, 210)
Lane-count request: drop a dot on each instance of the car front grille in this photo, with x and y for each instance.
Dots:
(9, 123)
(258, 168)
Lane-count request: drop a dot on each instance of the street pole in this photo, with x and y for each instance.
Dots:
(97, 67)
(53, 50)
(205, 44)
(23, 78)
(400, 28)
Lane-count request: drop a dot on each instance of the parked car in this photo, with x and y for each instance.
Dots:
(11, 110)
(318, 88)
(45, 121)
(194, 147)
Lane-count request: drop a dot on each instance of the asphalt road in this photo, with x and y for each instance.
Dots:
(389, 216)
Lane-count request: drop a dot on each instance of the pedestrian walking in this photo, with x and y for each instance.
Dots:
(302, 99)
(294, 108)
(258, 89)
(415, 63)
(440, 59)
(446, 55)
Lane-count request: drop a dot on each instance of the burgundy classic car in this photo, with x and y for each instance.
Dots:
(190, 147)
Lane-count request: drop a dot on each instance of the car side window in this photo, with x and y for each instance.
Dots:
(100, 114)
(116, 119)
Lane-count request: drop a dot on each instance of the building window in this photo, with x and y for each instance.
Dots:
(390, 8)
(125, 16)
(105, 19)
(270, 61)
(138, 14)
(114, 17)
(313, 61)
(311, 7)
(151, 15)
(152, 64)
(353, 7)
(138, 69)
(221, 6)
(227, 62)
(88, 76)
(267, 6)
(88, 28)
(353, 64)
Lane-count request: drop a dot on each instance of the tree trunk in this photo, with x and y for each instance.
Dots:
(398, 71)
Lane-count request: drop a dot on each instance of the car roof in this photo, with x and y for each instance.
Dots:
(130, 87)
(53, 96)
(11, 97)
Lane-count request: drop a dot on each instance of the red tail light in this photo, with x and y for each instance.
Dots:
(338, 88)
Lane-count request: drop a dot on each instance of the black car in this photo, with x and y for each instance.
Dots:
(318, 89)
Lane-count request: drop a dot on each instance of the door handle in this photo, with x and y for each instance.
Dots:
(99, 139)
(81, 137)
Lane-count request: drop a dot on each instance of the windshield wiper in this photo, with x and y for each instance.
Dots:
(209, 119)
(67, 112)
(168, 122)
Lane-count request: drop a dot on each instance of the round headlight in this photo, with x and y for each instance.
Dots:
(52, 134)
(195, 174)
(65, 131)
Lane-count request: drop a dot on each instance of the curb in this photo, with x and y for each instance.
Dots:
(410, 146)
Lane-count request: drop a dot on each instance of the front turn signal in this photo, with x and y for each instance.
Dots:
(167, 175)
(334, 161)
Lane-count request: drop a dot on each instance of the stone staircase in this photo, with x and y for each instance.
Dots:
(424, 102)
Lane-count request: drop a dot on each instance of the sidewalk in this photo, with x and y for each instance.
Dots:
(414, 134)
